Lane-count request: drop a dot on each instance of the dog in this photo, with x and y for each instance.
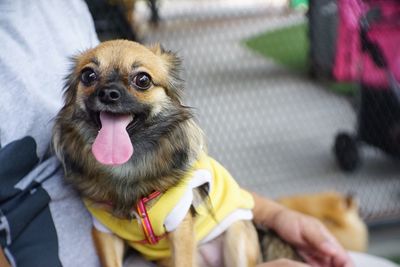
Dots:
(138, 159)
(338, 212)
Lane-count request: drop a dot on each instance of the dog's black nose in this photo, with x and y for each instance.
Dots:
(109, 96)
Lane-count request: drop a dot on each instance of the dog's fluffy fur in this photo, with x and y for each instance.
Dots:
(164, 135)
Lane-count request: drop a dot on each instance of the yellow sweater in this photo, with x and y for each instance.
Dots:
(229, 202)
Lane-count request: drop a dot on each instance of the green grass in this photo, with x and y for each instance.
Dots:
(396, 259)
(289, 46)
(343, 88)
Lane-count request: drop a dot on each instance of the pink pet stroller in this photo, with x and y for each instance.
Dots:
(368, 51)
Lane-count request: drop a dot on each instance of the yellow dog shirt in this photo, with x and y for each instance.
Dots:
(230, 203)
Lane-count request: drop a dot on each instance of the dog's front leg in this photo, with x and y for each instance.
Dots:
(110, 248)
(241, 247)
(183, 244)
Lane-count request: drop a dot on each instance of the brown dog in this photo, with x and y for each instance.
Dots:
(137, 158)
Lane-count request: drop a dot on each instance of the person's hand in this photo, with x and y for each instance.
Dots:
(283, 263)
(313, 241)
(309, 236)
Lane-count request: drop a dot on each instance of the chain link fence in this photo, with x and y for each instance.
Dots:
(268, 122)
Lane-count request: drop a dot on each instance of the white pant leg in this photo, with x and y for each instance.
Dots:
(359, 259)
(367, 260)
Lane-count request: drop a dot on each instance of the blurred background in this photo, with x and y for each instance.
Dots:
(295, 97)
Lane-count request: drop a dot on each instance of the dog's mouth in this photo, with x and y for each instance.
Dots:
(95, 118)
(112, 145)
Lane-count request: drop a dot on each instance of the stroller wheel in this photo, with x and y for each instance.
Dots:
(346, 152)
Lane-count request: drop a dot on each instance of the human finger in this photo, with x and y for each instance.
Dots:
(315, 259)
(339, 258)
(318, 237)
(342, 259)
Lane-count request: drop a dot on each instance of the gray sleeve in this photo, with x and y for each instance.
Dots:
(37, 37)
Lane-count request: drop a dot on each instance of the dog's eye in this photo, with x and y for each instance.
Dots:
(142, 81)
(88, 76)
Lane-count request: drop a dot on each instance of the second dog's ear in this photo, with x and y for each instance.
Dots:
(351, 201)
(156, 48)
(173, 64)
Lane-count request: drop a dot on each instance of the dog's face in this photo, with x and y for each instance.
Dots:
(123, 118)
(123, 77)
(125, 89)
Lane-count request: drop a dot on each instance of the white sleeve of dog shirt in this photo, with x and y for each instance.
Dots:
(178, 213)
(100, 227)
(175, 217)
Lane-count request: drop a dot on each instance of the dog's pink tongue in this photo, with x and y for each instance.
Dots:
(112, 145)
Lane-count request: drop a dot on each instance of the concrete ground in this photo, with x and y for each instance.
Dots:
(271, 128)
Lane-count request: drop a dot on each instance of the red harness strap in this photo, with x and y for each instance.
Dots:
(151, 237)
(144, 219)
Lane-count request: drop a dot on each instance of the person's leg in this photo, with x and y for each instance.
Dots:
(73, 225)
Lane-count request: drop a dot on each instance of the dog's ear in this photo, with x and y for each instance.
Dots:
(351, 201)
(71, 83)
(173, 64)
